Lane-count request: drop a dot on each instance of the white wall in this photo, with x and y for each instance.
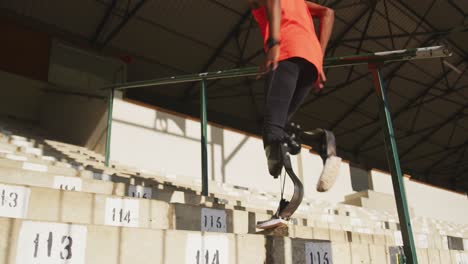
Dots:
(82, 70)
(55, 106)
(426, 200)
(381, 181)
(161, 142)
(74, 119)
(80, 120)
(157, 141)
(360, 179)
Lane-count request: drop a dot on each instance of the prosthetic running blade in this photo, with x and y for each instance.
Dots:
(272, 223)
(286, 208)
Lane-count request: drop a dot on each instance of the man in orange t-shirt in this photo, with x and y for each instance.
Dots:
(293, 63)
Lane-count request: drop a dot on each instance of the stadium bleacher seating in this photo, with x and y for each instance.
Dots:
(60, 202)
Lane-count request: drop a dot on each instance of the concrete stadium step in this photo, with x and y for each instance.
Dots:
(249, 199)
(42, 204)
(250, 202)
(319, 220)
(87, 183)
(96, 162)
(356, 197)
(40, 166)
(243, 195)
(45, 177)
(48, 180)
(168, 194)
(76, 153)
(165, 193)
(5, 132)
(82, 155)
(26, 145)
(22, 156)
(26, 242)
(244, 198)
(47, 169)
(7, 148)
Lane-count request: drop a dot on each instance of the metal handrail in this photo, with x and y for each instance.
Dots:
(342, 61)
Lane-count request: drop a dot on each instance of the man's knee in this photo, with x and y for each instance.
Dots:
(272, 133)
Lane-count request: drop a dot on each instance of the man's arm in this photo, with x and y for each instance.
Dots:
(327, 18)
(274, 17)
(273, 10)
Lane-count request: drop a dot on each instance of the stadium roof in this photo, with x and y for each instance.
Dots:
(428, 99)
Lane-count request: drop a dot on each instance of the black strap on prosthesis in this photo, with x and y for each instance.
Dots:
(325, 142)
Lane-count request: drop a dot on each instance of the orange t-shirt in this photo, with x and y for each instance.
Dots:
(297, 34)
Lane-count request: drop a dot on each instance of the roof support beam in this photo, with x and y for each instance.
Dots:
(360, 144)
(241, 61)
(358, 50)
(351, 109)
(335, 89)
(423, 19)
(347, 29)
(214, 56)
(432, 153)
(435, 164)
(244, 45)
(396, 69)
(363, 35)
(225, 7)
(433, 131)
(103, 22)
(406, 135)
(458, 8)
(122, 23)
(458, 164)
(402, 110)
(389, 26)
(451, 168)
(420, 22)
(414, 34)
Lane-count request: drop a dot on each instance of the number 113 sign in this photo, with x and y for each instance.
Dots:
(51, 243)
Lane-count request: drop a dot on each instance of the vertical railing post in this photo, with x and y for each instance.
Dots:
(394, 165)
(204, 153)
(109, 127)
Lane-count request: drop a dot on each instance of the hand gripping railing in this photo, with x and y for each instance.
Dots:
(375, 61)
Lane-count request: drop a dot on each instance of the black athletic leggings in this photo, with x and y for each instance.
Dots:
(285, 90)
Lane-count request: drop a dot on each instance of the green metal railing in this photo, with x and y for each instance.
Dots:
(369, 58)
(375, 61)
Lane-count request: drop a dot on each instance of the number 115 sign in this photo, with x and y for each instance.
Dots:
(318, 253)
